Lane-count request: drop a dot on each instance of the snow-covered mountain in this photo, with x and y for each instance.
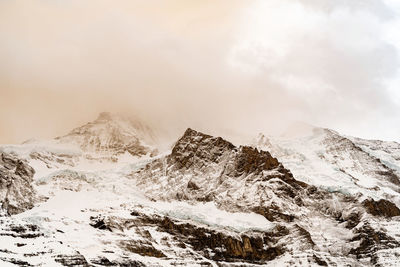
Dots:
(113, 134)
(315, 199)
(111, 138)
(325, 158)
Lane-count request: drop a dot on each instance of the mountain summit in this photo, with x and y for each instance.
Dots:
(113, 134)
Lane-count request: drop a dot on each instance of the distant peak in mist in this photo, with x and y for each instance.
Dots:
(105, 116)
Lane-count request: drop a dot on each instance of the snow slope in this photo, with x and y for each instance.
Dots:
(324, 158)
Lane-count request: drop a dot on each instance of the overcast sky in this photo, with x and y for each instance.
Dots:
(247, 66)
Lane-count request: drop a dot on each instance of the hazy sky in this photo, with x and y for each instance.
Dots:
(248, 66)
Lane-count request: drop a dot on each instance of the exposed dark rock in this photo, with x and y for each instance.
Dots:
(16, 191)
(143, 248)
(223, 247)
(371, 241)
(352, 220)
(251, 160)
(102, 261)
(319, 261)
(195, 146)
(382, 207)
(135, 213)
(273, 214)
(99, 223)
(72, 260)
(130, 263)
(20, 231)
(16, 261)
(193, 186)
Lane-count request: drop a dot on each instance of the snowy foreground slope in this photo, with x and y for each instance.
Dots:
(103, 196)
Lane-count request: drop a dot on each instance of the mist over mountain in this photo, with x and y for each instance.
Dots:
(225, 65)
(200, 133)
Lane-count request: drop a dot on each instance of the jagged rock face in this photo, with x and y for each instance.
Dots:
(16, 191)
(382, 207)
(250, 160)
(252, 247)
(206, 168)
(194, 147)
(198, 148)
(112, 134)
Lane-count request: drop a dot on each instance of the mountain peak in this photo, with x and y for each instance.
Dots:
(112, 133)
(105, 116)
(196, 145)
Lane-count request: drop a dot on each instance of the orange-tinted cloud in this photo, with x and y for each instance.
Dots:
(215, 65)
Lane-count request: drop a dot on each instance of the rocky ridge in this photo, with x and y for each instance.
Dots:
(205, 168)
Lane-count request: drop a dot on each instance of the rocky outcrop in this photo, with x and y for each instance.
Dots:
(223, 247)
(202, 167)
(72, 260)
(371, 241)
(251, 160)
(195, 148)
(143, 248)
(16, 191)
(252, 246)
(102, 261)
(381, 207)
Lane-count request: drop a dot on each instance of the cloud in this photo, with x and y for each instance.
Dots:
(215, 65)
(334, 60)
